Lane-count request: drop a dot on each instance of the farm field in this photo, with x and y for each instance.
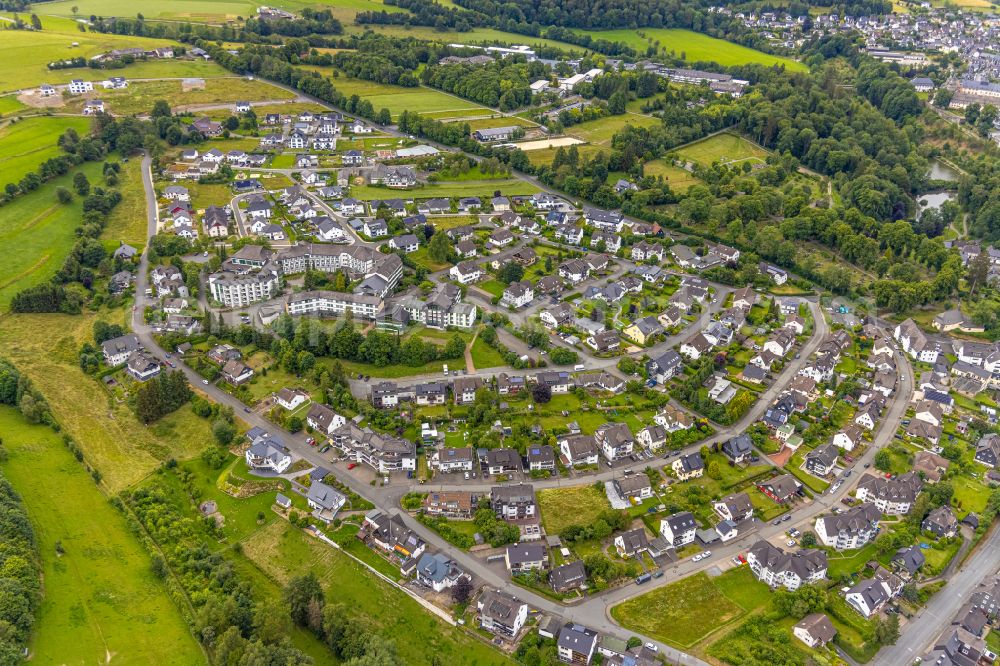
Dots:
(42, 231)
(27, 143)
(725, 148)
(601, 130)
(45, 347)
(675, 613)
(206, 10)
(678, 179)
(446, 116)
(282, 551)
(101, 597)
(475, 36)
(140, 95)
(562, 507)
(398, 98)
(695, 47)
(468, 188)
(33, 51)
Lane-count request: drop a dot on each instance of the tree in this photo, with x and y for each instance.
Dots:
(462, 590)
(223, 432)
(887, 630)
(63, 195)
(883, 460)
(542, 393)
(439, 248)
(714, 470)
(161, 109)
(81, 184)
(510, 272)
(300, 592)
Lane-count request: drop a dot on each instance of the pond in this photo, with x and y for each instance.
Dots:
(941, 171)
(933, 199)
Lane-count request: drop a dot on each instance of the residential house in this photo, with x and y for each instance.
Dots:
(437, 571)
(576, 644)
(524, 557)
(688, 466)
(890, 496)
(734, 507)
(267, 453)
(738, 448)
(324, 500)
(634, 487)
(579, 450)
(941, 522)
(568, 577)
(815, 630)
(632, 543)
(614, 440)
(679, 529)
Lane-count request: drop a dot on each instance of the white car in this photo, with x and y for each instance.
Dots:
(707, 554)
(790, 543)
(204, 381)
(650, 646)
(697, 558)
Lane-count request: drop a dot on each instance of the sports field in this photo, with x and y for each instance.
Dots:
(102, 603)
(724, 148)
(38, 233)
(694, 46)
(501, 121)
(27, 143)
(33, 51)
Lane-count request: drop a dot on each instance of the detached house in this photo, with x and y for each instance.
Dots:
(614, 440)
(679, 529)
(267, 453)
(501, 614)
(635, 487)
(734, 507)
(849, 530)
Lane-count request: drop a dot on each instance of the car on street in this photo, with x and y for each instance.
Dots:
(246, 409)
(650, 646)
(204, 381)
(786, 518)
(777, 522)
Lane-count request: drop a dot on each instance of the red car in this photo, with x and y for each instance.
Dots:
(311, 442)
(352, 465)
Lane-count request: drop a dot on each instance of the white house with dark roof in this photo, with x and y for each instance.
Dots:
(268, 454)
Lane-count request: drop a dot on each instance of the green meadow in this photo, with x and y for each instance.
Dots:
(27, 143)
(694, 46)
(102, 603)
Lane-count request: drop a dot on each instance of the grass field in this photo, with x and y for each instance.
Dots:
(501, 121)
(140, 95)
(562, 507)
(601, 130)
(545, 155)
(10, 105)
(474, 36)
(678, 179)
(102, 602)
(675, 613)
(398, 99)
(282, 551)
(42, 231)
(46, 348)
(27, 143)
(694, 46)
(723, 148)
(460, 113)
(33, 51)
(127, 222)
(484, 356)
(469, 188)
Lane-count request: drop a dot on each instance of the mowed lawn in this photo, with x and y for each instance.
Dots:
(37, 232)
(562, 507)
(724, 148)
(695, 47)
(282, 551)
(678, 179)
(11, 105)
(27, 143)
(33, 51)
(601, 130)
(675, 613)
(102, 603)
(46, 347)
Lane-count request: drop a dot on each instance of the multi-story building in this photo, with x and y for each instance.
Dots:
(775, 567)
(236, 290)
(383, 453)
(850, 529)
